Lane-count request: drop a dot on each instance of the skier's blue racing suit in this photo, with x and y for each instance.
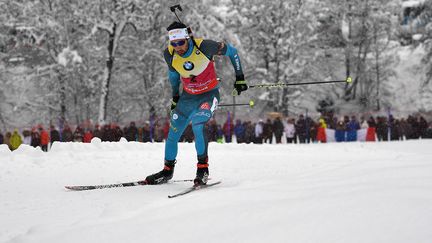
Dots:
(200, 96)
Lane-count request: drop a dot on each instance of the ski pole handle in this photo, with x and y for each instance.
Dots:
(251, 104)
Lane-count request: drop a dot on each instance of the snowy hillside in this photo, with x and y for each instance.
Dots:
(347, 192)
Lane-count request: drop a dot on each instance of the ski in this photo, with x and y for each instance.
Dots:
(123, 184)
(194, 188)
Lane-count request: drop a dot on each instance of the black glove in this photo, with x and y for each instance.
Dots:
(174, 101)
(240, 85)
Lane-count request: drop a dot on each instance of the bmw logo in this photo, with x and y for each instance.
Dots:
(188, 66)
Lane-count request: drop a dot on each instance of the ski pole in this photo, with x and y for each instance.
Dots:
(189, 30)
(347, 80)
(173, 9)
(251, 104)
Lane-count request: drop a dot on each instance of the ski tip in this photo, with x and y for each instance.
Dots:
(73, 188)
(195, 187)
(70, 187)
(214, 183)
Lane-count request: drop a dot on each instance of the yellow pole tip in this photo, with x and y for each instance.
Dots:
(349, 80)
(251, 103)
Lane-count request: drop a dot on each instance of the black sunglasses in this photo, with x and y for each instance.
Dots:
(178, 43)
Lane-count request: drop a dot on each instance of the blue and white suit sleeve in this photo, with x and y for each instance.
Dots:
(173, 75)
(174, 78)
(231, 52)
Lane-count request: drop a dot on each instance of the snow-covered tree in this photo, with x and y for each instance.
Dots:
(45, 36)
(277, 36)
(102, 60)
(141, 57)
(426, 88)
(364, 36)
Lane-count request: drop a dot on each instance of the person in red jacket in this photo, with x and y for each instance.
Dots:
(228, 130)
(321, 134)
(88, 136)
(44, 139)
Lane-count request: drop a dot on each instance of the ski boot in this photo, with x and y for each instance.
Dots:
(162, 176)
(202, 173)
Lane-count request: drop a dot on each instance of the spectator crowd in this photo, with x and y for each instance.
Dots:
(276, 130)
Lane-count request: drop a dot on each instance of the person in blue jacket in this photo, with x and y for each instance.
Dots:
(352, 127)
(190, 63)
(239, 131)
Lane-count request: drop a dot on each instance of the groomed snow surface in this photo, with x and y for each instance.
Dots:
(345, 192)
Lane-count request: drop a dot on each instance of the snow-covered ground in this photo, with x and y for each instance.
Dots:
(347, 192)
